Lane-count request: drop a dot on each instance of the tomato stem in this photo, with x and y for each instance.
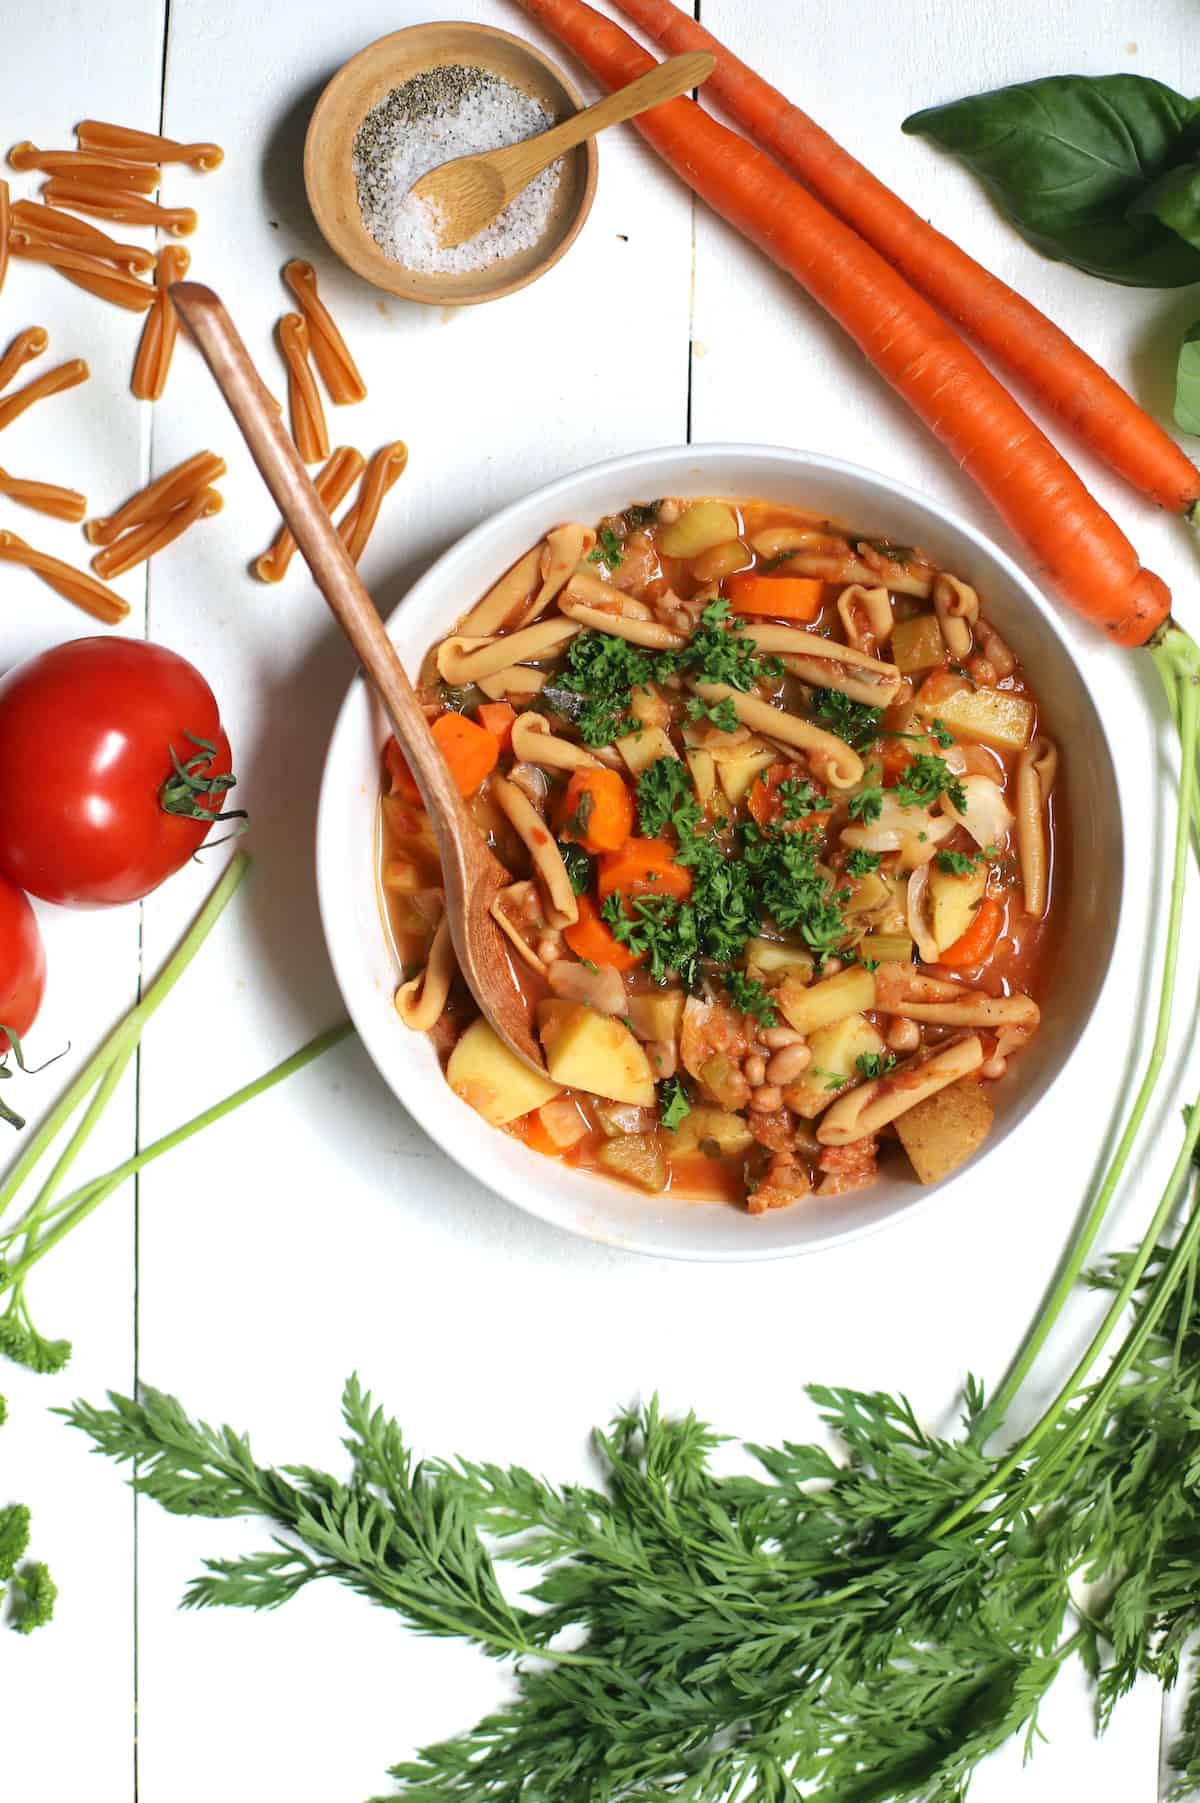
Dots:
(185, 791)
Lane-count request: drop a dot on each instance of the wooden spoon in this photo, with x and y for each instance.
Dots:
(467, 193)
(472, 876)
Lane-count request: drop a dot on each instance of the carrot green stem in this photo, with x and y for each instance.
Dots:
(76, 1207)
(101, 1096)
(125, 1036)
(1177, 659)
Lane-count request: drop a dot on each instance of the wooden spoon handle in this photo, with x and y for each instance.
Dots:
(323, 551)
(678, 75)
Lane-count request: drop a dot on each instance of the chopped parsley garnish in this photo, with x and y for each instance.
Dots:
(941, 732)
(750, 997)
(602, 671)
(852, 721)
(799, 799)
(721, 714)
(719, 651)
(875, 1064)
(925, 779)
(867, 805)
(862, 863)
(833, 1079)
(885, 548)
(663, 789)
(958, 863)
(674, 1104)
(774, 563)
(609, 550)
(578, 866)
(792, 889)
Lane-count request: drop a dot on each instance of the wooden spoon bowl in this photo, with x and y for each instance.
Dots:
(363, 82)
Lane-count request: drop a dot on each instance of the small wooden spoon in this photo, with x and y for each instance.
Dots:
(467, 193)
(471, 874)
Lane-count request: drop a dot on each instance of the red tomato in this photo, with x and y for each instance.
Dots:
(92, 808)
(22, 963)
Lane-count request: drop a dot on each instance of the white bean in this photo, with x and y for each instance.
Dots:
(754, 1069)
(766, 1099)
(903, 1035)
(775, 1037)
(787, 1063)
(992, 1068)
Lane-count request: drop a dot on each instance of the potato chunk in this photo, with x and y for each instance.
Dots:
(713, 1131)
(944, 1130)
(952, 903)
(767, 957)
(593, 1052)
(917, 644)
(989, 716)
(657, 1013)
(705, 524)
(641, 749)
(736, 773)
(496, 1085)
(835, 1052)
(637, 1158)
(806, 1009)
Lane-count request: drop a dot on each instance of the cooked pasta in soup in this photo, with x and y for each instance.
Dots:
(780, 814)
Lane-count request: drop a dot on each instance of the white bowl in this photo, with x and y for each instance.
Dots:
(591, 1205)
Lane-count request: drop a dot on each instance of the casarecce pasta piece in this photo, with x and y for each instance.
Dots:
(145, 146)
(119, 286)
(72, 584)
(534, 743)
(53, 226)
(517, 683)
(872, 1105)
(152, 364)
(330, 353)
(333, 484)
(842, 767)
(507, 906)
(1037, 768)
(118, 204)
(899, 989)
(87, 165)
(504, 603)
(383, 472)
(560, 557)
(994, 649)
(828, 665)
(44, 497)
(957, 608)
(161, 496)
(591, 602)
(459, 662)
(156, 534)
(304, 402)
(420, 1002)
(538, 840)
(866, 615)
(27, 345)
(55, 381)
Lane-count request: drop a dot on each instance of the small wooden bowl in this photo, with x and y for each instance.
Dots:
(363, 82)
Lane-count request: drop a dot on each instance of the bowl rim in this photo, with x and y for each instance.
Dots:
(408, 283)
(535, 1200)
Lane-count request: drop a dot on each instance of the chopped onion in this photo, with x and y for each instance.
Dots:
(915, 833)
(532, 781)
(602, 989)
(987, 816)
(918, 924)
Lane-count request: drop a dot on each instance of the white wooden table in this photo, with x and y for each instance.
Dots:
(320, 1232)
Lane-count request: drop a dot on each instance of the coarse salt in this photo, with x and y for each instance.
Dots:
(453, 111)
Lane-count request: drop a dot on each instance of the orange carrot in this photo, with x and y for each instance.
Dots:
(469, 750)
(592, 938)
(643, 867)
(1072, 541)
(403, 782)
(782, 597)
(497, 717)
(978, 942)
(597, 810)
(1055, 371)
(895, 758)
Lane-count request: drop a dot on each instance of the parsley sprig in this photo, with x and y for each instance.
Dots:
(853, 721)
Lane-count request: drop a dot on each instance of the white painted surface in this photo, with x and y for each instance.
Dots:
(321, 1232)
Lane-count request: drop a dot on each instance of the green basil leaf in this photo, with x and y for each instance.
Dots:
(1067, 160)
(1187, 383)
(1175, 200)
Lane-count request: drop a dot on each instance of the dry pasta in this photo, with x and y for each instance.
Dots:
(73, 585)
(145, 147)
(334, 483)
(119, 286)
(27, 345)
(152, 365)
(55, 381)
(383, 472)
(304, 402)
(155, 534)
(113, 203)
(50, 224)
(162, 496)
(330, 353)
(44, 497)
(87, 165)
